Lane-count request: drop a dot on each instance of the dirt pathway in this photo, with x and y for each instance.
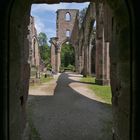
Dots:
(72, 112)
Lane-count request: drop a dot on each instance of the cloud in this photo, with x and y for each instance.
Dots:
(47, 7)
(53, 7)
(40, 26)
(51, 32)
(43, 12)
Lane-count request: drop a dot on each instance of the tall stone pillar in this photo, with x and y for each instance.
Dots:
(102, 61)
(88, 61)
(99, 61)
(53, 57)
(54, 51)
(90, 55)
(58, 60)
(106, 63)
(102, 48)
(85, 69)
(77, 61)
(80, 64)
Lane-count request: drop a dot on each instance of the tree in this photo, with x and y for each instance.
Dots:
(44, 48)
(67, 55)
(42, 39)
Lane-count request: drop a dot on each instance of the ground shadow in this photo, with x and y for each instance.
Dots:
(69, 115)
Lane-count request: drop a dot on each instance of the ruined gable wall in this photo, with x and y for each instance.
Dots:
(63, 25)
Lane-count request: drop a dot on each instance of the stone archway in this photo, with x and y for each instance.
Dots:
(14, 14)
(65, 29)
(67, 54)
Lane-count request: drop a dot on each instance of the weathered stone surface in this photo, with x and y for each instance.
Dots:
(34, 53)
(85, 36)
(103, 34)
(14, 21)
(67, 31)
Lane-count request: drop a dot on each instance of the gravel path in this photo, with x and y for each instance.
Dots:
(72, 113)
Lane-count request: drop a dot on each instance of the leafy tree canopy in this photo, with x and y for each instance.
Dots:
(42, 39)
(67, 55)
(44, 48)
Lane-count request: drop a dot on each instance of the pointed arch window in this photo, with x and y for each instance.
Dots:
(67, 17)
(67, 33)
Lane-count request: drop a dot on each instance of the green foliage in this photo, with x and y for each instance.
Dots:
(67, 56)
(45, 54)
(44, 48)
(103, 92)
(45, 80)
(71, 67)
(42, 39)
(49, 67)
(33, 71)
(62, 69)
(42, 80)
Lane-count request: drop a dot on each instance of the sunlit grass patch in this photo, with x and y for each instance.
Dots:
(104, 92)
(45, 80)
(40, 81)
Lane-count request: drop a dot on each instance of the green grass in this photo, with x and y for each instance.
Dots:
(45, 80)
(104, 92)
(42, 80)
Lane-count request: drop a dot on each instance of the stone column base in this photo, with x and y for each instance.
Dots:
(102, 81)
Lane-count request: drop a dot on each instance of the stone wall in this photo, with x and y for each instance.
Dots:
(120, 70)
(84, 40)
(102, 45)
(14, 63)
(19, 68)
(55, 62)
(74, 40)
(63, 25)
(34, 53)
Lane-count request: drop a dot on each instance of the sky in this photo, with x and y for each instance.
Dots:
(45, 16)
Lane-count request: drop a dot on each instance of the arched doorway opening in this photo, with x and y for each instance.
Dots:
(16, 40)
(67, 57)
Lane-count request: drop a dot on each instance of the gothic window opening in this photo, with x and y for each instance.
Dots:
(67, 17)
(67, 33)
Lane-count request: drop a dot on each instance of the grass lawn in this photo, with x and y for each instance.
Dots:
(103, 92)
(45, 80)
(41, 81)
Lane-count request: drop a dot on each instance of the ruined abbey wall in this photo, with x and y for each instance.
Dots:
(15, 67)
(102, 46)
(84, 40)
(64, 25)
(34, 53)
